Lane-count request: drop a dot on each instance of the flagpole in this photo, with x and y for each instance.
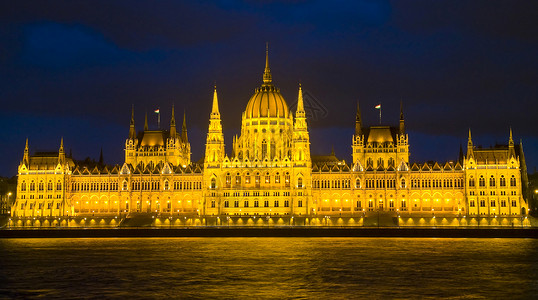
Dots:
(380, 107)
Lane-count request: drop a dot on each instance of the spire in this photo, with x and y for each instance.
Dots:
(358, 121)
(26, 157)
(470, 145)
(300, 104)
(402, 122)
(146, 122)
(132, 131)
(215, 108)
(267, 78)
(61, 152)
(511, 150)
(173, 124)
(184, 136)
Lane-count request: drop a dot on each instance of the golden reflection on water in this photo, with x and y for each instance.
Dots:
(269, 268)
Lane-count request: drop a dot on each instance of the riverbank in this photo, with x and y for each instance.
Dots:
(272, 232)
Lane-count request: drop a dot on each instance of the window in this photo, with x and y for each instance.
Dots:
(32, 186)
(300, 203)
(492, 203)
(245, 204)
(266, 203)
(256, 203)
(166, 185)
(287, 179)
(482, 181)
(41, 186)
(359, 203)
(124, 185)
(23, 186)
(514, 203)
(286, 203)
(277, 178)
(58, 205)
(49, 205)
(213, 183)
(264, 148)
(492, 181)
(226, 203)
(276, 203)
(237, 178)
(236, 203)
(503, 203)
(404, 204)
(471, 203)
(482, 203)
(267, 178)
(471, 182)
(402, 183)
(358, 183)
(370, 204)
(300, 182)
(49, 186)
(228, 179)
(212, 203)
(502, 181)
(513, 181)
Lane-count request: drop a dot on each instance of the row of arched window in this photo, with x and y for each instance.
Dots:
(40, 186)
(492, 182)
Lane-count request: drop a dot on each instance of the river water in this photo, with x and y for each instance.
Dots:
(313, 268)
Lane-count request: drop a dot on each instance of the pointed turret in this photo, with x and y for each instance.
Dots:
(511, 150)
(173, 131)
(146, 122)
(470, 152)
(132, 131)
(184, 136)
(215, 108)
(300, 105)
(402, 122)
(26, 157)
(267, 78)
(214, 151)
(358, 121)
(61, 152)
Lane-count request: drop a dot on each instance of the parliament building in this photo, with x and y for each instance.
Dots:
(271, 178)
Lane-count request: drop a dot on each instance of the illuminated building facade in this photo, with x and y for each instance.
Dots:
(271, 178)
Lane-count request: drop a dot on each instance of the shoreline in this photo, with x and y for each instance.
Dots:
(271, 232)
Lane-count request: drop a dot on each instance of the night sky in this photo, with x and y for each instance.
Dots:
(73, 69)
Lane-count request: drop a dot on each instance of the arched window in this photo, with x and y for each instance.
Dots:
(513, 181)
(166, 185)
(482, 181)
(41, 186)
(237, 178)
(264, 149)
(402, 183)
(49, 186)
(267, 178)
(492, 181)
(59, 185)
(277, 178)
(247, 178)
(471, 181)
(502, 181)
(23, 186)
(124, 187)
(213, 183)
(300, 182)
(358, 183)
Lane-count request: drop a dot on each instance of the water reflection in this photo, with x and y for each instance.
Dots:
(269, 268)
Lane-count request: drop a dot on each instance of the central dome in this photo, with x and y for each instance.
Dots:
(267, 102)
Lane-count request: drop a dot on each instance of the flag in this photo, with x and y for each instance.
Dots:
(378, 106)
(157, 111)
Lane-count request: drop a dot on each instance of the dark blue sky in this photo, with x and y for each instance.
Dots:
(73, 69)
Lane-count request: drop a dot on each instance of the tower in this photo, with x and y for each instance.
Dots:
(214, 150)
(301, 140)
(358, 138)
